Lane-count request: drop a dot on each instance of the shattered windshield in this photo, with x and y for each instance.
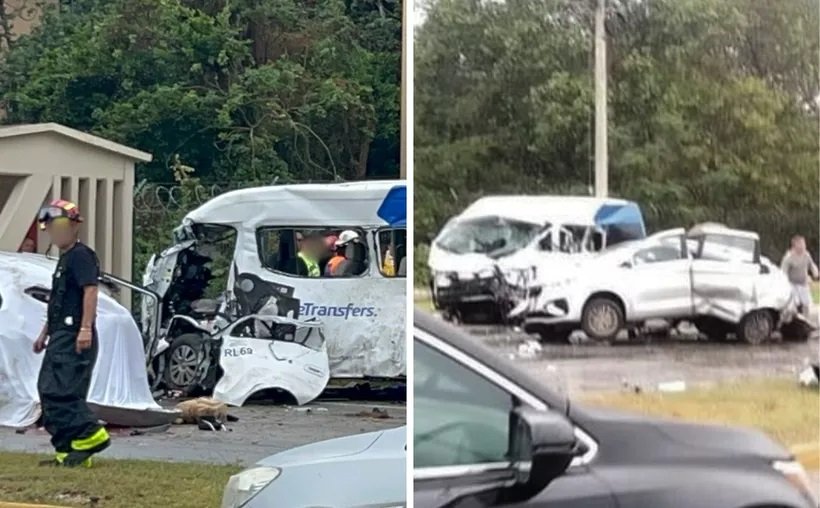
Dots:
(487, 235)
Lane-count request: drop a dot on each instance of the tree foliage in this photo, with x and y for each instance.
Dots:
(712, 108)
(247, 90)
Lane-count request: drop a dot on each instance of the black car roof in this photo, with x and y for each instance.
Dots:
(473, 348)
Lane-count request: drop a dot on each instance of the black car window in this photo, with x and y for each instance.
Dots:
(461, 417)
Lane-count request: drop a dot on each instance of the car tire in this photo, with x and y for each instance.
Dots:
(182, 361)
(756, 327)
(602, 319)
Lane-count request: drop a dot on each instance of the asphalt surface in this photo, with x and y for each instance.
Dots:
(592, 367)
(262, 430)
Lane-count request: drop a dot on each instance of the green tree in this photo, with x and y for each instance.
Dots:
(246, 90)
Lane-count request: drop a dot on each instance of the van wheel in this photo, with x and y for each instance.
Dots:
(183, 360)
(602, 319)
(756, 327)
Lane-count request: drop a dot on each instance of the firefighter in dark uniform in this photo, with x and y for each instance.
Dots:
(69, 339)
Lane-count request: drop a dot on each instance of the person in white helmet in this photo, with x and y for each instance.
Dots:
(347, 236)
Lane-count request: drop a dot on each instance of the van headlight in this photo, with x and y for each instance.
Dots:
(242, 487)
(796, 475)
(443, 280)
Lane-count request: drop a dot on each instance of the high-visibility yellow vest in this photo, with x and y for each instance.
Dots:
(312, 266)
(389, 265)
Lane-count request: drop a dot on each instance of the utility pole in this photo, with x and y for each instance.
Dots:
(601, 148)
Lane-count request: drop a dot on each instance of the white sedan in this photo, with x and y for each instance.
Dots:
(712, 276)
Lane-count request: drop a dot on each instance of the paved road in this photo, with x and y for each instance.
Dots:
(261, 431)
(590, 367)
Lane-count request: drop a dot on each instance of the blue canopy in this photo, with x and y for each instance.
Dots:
(627, 216)
(393, 209)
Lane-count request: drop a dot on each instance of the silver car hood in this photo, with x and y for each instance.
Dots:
(376, 443)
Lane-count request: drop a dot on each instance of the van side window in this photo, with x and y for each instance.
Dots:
(392, 249)
(461, 417)
(314, 252)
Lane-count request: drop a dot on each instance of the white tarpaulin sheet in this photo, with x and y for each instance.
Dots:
(119, 379)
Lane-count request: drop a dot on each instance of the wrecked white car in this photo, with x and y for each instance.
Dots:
(238, 255)
(259, 352)
(483, 257)
(712, 276)
(119, 391)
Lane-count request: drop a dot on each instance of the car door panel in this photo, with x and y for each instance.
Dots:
(662, 288)
(724, 278)
(578, 488)
(725, 290)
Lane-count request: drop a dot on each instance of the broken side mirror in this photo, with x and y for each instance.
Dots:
(542, 446)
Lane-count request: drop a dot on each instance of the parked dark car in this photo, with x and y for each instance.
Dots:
(486, 434)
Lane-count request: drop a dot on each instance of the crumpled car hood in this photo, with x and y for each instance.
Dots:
(443, 261)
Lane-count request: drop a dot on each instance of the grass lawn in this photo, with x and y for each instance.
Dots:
(112, 483)
(780, 408)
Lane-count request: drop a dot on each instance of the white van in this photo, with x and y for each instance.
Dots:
(254, 235)
(508, 236)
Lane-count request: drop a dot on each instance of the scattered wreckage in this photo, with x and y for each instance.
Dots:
(267, 330)
(711, 276)
(119, 392)
(483, 257)
(279, 330)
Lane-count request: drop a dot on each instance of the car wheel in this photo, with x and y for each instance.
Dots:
(756, 327)
(602, 319)
(183, 359)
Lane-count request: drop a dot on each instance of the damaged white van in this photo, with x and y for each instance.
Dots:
(508, 236)
(235, 258)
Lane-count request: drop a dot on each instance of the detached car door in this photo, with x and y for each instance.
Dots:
(461, 436)
(724, 272)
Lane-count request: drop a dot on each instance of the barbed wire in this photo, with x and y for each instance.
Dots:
(168, 197)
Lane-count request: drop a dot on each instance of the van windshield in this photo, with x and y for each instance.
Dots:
(487, 235)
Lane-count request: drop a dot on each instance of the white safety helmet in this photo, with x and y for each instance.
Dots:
(346, 237)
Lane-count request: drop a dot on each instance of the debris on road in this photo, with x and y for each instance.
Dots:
(377, 413)
(810, 376)
(194, 409)
(672, 387)
(529, 349)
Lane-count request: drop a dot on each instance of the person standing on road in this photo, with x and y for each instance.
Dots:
(798, 265)
(69, 339)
